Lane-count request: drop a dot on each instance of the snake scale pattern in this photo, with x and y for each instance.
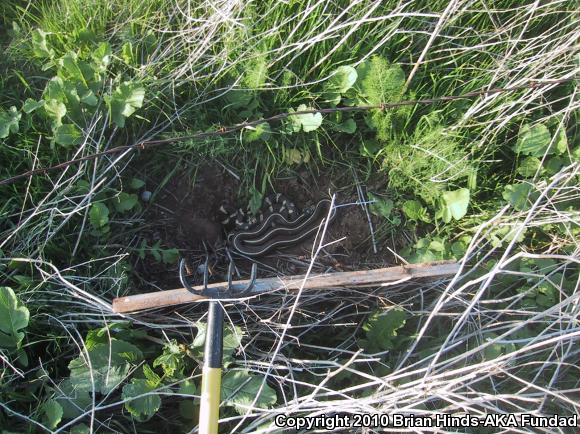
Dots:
(278, 224)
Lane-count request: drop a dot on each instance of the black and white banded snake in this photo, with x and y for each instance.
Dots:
(279, 224)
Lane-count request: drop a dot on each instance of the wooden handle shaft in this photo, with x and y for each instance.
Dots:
(375, 277)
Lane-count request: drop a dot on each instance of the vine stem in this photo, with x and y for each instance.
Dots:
(147, 144)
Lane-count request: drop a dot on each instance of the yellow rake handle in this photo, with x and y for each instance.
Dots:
(209, 412)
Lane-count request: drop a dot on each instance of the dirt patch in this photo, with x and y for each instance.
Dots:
(185, 215)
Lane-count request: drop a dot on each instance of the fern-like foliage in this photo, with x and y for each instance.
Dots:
(428, 162)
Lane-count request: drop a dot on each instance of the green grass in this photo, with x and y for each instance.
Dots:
(492, 181)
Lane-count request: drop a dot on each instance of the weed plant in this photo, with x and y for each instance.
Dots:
(489, 181)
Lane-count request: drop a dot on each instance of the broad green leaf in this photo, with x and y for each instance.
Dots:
(14, 317)
(561, 141)
(339, 83)
(529, 167)
(555, 163)
(55, 110)
(73, 399)
(171, 360)
(187, 387)
(141, 407)
(296, 156)
(459, 247)
(102, 56)
(99, 215)
(136, 183)
(127, 53)
(379, 82)
(40, 45)
(348, 126)
(304, 122)
(71, 69)
(517, 195)
(381, 207)
(153, 379)
(260, 132)
(9, 122)
(240, 98)
(533, 140)
(240, 389)
(109, 365)
(415, 211)
(231, 341)
(453, 204)
(124, 101)
(30, 105)
(125, 201)
(68, 135)
(381, 330)
(51, 413)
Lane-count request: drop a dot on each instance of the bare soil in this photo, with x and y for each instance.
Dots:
(185, 215)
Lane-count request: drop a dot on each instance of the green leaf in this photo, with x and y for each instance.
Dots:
(102, 56)
(453, 204)
(124, 101)
(127, 53)
(339, 83)
(72, 399)
(153, 379)
(125, 201)
(80, 429)
(555, 163)
(169, 256)
(136, 183)
(40, 45)
(55, 110)
(232, 340)
(381, 207)
(30, 105)
(68, 135)
(517, 195)
(240, 389)
(379, 82)
(306, 122)
(141, 407)
(260, 132)
(415, 211)
(255, 200)
(529, 167)
(9, 122)
(51, 414)
(381, 330)
(187, 387)
(495, 350)
(99, 215)
(533, 140)
(561, 141)
(171, 360)
(348, 126)
(109, 365)
(14, 317)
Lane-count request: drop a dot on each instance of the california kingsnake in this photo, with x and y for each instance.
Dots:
(278, 224)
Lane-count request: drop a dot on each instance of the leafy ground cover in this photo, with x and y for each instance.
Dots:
(490, 180)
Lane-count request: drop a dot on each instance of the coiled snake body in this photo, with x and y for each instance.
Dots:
(278, 224)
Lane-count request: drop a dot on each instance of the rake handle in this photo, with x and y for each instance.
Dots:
(209, 412)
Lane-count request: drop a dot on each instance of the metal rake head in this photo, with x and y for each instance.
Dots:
(216, 291)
